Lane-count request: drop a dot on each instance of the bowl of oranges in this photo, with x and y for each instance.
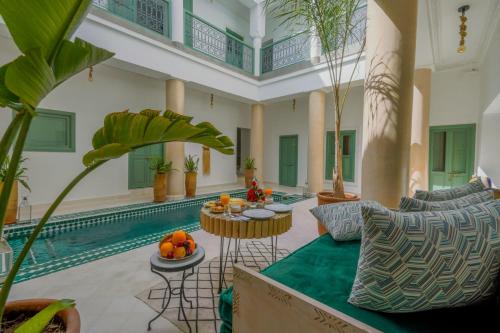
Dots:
(178, 245)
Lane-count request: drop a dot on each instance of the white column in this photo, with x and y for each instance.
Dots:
(177, 21)
(315, 47)
(257, 140)
(316, 151)
(257, 31)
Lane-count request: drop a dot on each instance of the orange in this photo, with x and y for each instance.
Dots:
(192, 245)
(179, 237)
(166, 248)
(179, 252)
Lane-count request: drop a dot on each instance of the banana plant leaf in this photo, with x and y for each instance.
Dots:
(125, 131)
(38, 322)
(49, 58)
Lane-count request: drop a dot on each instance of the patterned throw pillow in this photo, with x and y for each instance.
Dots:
(452, 193)
(413, 262)
(343, 220)
(414, 205)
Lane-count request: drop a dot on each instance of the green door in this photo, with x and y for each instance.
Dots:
(139, 174)
(234, 48)
(288, 160)
(452, 150)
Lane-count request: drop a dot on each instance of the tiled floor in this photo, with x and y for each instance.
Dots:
(105, 289)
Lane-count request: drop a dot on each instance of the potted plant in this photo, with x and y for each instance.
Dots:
(249, 171)
(49, 57)
(340, 26)
(19, 177)
(161, 168)
(191, 172)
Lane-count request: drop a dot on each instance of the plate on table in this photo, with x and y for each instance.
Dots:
(279, 208)
(259, 214)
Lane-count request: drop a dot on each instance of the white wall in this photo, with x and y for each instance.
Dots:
(226, 115)
(280, 119)
(489, 160)
(112, 90)
(225, 14)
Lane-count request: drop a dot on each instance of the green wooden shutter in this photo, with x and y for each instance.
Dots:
(51, 131)
(347, 141)
(188, 5)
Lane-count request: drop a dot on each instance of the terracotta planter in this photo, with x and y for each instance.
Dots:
(11, 216)
(326, 198)
(69, 317)
(249, 174)
(160, 187)
(190, 183)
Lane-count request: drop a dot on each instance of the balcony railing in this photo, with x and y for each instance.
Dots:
(151, 14)
(285, 52)
(216, 43)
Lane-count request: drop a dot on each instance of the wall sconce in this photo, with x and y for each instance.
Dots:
(91, 74)
(294, 105)
(463, 28)
(211, 101)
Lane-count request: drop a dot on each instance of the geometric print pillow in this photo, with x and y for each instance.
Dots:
(414, 205)
(452, 193)
(420, 261)
(343, 220)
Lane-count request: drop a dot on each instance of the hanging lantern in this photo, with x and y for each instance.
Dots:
(463, 28)
(211, 101)
(24, 211)
(91, 74)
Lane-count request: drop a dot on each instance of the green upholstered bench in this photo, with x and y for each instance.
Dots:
(308, 291)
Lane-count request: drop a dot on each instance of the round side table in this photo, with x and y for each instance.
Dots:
(186, 266)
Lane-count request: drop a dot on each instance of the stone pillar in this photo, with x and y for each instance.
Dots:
(316, 145)
(178, 21)
(390, 64)
(419, 149)
(257, 140)
(257, 31)
(174, 151)
(315, 46)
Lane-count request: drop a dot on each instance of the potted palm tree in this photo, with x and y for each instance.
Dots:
(161, 169)
(19, 178)
(49, 55)
(191, 172)
(249, 171)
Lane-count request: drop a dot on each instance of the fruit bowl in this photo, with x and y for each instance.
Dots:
(178, 245)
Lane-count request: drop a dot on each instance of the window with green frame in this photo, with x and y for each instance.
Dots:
(348, 146)
(51, 131)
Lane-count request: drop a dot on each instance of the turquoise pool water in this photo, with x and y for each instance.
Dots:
(75, 239)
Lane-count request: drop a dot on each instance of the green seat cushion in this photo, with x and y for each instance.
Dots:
(325, 270)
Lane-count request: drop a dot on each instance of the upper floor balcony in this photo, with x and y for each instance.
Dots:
(229, 42)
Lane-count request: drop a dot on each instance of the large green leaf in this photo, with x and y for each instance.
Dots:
(124, 131)
(30, 77)
(38, 322)
(42, 23)
(7, 98)
(73, 57)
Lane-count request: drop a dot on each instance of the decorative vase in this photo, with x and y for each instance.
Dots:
(70, 317)
(326, 198)
(11, 215)
(190, 182)
(160, 187)
(249, 174)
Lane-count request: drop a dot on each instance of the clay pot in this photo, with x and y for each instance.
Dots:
(160, 187)
(69, 317)
(190, 182)
(326, 198)
(249, 174)
(11, 216)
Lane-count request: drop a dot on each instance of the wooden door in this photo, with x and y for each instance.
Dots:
(139, 174)
(288, 161)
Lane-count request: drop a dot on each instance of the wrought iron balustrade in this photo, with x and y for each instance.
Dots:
(214, 42)
(151, 14)
(285, 52)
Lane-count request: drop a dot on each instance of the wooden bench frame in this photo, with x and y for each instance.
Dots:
(263, 305)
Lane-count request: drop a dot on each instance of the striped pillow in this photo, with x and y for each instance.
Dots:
(420, 261)
(343, 220)
(452, 193)
(414, 205)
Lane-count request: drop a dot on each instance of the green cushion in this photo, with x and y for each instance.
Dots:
(325, 269)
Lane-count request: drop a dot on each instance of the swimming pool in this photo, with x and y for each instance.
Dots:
(74, 239)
